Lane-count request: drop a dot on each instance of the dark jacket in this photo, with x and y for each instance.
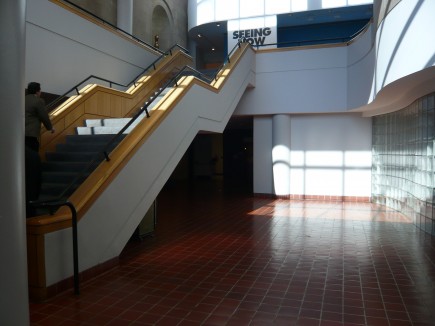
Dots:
(35, 114)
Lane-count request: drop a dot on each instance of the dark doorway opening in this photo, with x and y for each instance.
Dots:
(218, 162)
(238, 155)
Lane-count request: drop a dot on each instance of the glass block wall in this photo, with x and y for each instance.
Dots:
(403, 161)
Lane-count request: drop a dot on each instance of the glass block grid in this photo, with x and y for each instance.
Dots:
(403, 161)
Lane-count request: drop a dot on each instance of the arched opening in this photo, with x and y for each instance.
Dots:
(161, 27)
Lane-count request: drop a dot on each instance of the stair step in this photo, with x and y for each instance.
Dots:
(114, 125)
(107, 122)
(62, 177)
(75, 156)
(79, 147)
(107, 126)
(94, 139)
(103, 130)
(55, 189)
(67, 167)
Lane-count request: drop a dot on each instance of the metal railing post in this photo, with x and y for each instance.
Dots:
(75, 248)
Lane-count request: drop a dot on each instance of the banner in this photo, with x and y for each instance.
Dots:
(259, 32)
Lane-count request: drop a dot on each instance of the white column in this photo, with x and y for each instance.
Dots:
(125, 15)
(281, 154)
(14, 304)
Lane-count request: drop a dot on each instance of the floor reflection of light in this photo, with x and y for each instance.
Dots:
(351, 211)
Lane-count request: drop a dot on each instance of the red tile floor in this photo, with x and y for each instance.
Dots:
(220, 258)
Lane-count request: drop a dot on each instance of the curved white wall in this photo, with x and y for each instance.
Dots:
(360, 70)
(317, 80)
(298, 81)
(405, 63)
(62, 49)
(405, 41)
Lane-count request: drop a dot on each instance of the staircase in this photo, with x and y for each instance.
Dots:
(73, 161)
(132, 180)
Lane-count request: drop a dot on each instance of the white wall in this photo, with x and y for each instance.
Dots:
(62, 49)
(360, 69)
(329, 155)
(298, 81)
(317, 87)
(319, 80)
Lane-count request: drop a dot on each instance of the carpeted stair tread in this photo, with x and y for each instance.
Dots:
(55, 189)
(102, 130)
(62, 177)
(95, 139)
(83, 147)
(65, 166)
(73, 156)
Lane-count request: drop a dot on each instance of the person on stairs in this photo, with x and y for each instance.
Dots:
(35, 114)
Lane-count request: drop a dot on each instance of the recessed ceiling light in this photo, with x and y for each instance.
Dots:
(199, 35)
(218, 25)
(212, 49)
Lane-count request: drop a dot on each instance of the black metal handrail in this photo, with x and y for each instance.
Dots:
(227, 59)
(172, 81)
(56, 101)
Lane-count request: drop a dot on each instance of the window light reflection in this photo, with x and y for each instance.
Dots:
(333, 3)
(217, 10)
(251, 8)
(329, 173)
(273, 7)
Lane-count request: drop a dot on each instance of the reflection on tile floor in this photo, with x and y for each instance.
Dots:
(229, 259)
